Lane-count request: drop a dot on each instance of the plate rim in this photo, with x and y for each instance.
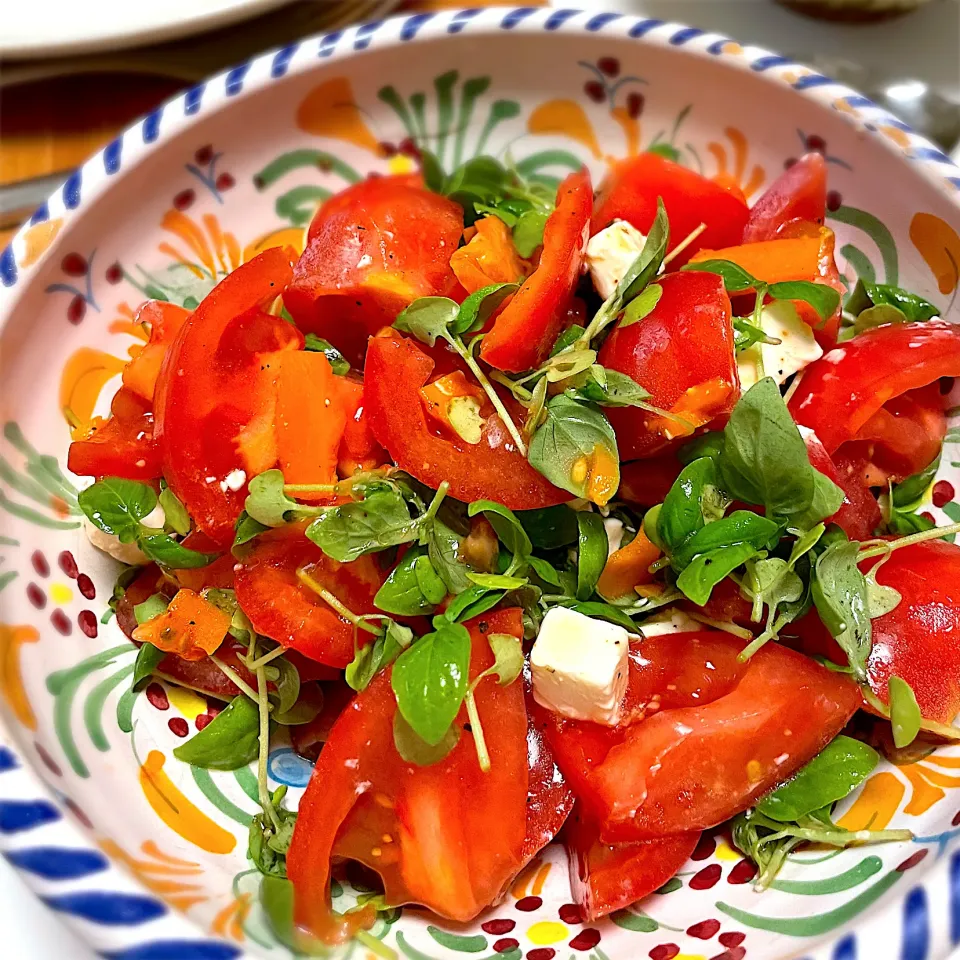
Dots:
(19, 781)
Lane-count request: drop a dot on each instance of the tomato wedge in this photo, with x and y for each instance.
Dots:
(630, 191)
(216, 396)
(703, 735)
(371, 250)
(683, 354)
(607, 877)
(493, 469)
(447, 836)
(283, 608)
(799, 193)
(528, 327)
(843, 390)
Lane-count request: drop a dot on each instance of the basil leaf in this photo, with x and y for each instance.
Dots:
(116, 506)
(911, 306)
(268, 845)
(822, 298)
(839, 592)
(566, 339)
(430, 680)
(401, 593)
(506, 525)
(549, 527)
(568, 444)
(152, 607)
(444, 546)
(642, 305)
(706, 570)
(370, 659)
(471, 603)
(746, 334)
(414, 749)
(508, 657)
(428, 318)
(591, 552)
(162, 548)
(764, 457)
(544, 571)
(681, 514)
(528, 231)
(174, 513)
(616, 390)
(477, 309)
(903, 524)
(827, 500)
(912, 490)
(429, 581)
(648, 263)
(246, 529)
(432, 171)
(267, 503)
(287, 684)
(338, 363)
(741, 526)
(708, 445)
(604, 611)
(380, 520)
(830, 776)
(231, 740)
(905, 716)
(148, 659)
(735, 278)
(497, 581)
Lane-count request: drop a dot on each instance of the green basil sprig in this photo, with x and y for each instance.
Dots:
(876, 304)
(231, 740)
(592, 549)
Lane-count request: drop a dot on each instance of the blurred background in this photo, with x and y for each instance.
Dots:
(73, 73)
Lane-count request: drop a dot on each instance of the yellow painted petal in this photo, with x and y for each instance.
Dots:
(177, 812)
(546, 932)
(330, 110)
(939, 245)
(295, 237)
(877, 803)
(37, 239)
(190, 704)
(84, 376)
(11, 675)
(726, 853)
(60, 593)
(565, 118)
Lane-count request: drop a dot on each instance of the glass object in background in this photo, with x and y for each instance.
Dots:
(853, 10)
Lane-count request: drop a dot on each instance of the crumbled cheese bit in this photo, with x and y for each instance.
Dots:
(797, 348)
(610, 254)
(234, 481)
(579, 666)
(670, 620)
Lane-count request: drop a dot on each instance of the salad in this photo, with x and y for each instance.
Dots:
(530, 513)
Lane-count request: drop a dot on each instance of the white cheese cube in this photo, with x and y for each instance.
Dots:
(579, 666)
(669, 620)
(610, 253)
(797, 348)
(124, 552)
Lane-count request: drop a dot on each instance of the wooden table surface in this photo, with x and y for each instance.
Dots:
(53, 125)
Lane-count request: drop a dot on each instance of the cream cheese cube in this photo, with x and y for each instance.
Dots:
(579, 666)
(128, 553)
(670, 620)
(610, 253)
(797, 348)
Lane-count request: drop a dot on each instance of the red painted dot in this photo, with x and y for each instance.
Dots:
(956, 819)
(498, 927)
(48, 761)
(73, 265)
(184, 199)
(570, 913)
(78, 813)
(87, 621)
(507, 943)
(529, 904)
(732, 938)
(86, 587)
(542, 953)
(114, 273)
(203, 720)
(912, 861)
(178, 726)
(388, 149)
(157, 697)
(708, 877)
(743, 872)
(815, 142)
(67, 564)
(595, 90)
(609, 65)
(789, 162)
(60, 623)
(834, 200)
(664, 951)
(77, 309)
(704, 930)
(225, 181)
(40, 564)
(927, 515)
(204, 155)
(942, 493)
(733, 953)
(705, 847)
(635, 102)
(586, 939)
(36, 596)
(409, 148)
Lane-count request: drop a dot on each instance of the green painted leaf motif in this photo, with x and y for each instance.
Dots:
(230, 740)
(116, 506)
(458, 941)
(636, 922)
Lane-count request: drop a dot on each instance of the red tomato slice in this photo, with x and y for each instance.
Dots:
(371, 250)
(841, 391)
(216, 397)
(630, 191)
(281, 607)
(607, 877)
(800, 193)
(704, 735)
(396, 369)
(456, 834)
(683, 354)
(528, 327)
(359, 449)
(126, 445)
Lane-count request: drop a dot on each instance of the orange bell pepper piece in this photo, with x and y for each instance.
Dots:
(310, 421)
(628, 567)
(359, 449)
(489, 256)
(190, 627)
(165, 319)
(450, 394)
(697, 406)
(793, 258)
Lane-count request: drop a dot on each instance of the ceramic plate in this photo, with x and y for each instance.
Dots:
(146, 855)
